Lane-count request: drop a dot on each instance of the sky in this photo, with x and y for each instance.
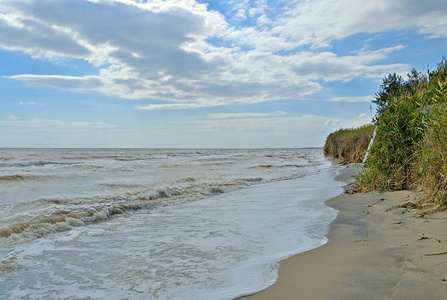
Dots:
(203, 74)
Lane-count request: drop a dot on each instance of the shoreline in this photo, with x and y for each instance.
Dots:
(375, 251)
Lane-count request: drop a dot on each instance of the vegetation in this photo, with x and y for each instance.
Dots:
(411, 142)
(394, 86)
(410, 149)
(349, 145)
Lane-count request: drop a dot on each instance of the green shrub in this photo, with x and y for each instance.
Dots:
(411, 143)
(349, 145)
(399, 132)
(432, 160)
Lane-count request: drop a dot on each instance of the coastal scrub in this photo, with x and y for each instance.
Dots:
(411, 143)
(349, 145)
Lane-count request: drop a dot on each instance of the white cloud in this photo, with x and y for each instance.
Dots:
(85, 83)
(332, 122)
(331, 67)
(434, 24)
(303, 124)
(352, 99)
(244, 115)
(305, 130)
(363, 116)
(180, 51)
(319, 22)
(30, 103)
(169, 106)
(337, 123)
(50, 124)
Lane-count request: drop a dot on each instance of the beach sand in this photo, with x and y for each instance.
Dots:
(375, 251)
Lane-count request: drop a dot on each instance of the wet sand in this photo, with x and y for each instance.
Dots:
(375, 251)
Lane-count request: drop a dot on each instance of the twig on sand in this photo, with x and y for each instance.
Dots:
(435, 254)
(424, 237)
(365, 240)
(380, 200)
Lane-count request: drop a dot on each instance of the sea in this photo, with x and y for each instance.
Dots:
(157, 223)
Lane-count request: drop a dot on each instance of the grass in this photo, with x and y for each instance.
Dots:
(410, 151)
(431, 162)
(349, 145)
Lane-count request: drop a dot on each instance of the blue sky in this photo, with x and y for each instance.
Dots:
(203, 74)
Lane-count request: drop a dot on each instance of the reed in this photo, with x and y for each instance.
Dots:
(432, 160)
(349, 145)
(411, 143)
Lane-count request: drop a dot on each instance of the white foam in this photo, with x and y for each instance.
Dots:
(101, 172)
(219, 247)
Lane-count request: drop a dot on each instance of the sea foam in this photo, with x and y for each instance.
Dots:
(221, 246)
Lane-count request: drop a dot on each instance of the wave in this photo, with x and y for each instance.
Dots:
(90, 157)
(19, 177)
(120, 185)
(78, 161)
(66, 213)
(268, 166)
(36, 164)
(133, 159)
(6, 158)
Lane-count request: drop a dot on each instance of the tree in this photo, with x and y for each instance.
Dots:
(415, 78)
(393, 86)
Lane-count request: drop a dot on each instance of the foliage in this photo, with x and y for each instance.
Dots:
(394, 86)
(349, 145)
(432, 161)
(411, 142)
(399, 132)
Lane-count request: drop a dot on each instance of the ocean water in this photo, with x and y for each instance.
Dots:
(157, 224)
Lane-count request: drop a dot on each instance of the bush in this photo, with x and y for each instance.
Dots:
(349, 145)
(432, 160)
(411, 142)
(399, 132)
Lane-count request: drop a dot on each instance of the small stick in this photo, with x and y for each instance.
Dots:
(442, 253)
(365, 240)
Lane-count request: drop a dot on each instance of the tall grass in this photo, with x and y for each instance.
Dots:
(399, 132)
(411, 142)
(431, 163)
(349, 145)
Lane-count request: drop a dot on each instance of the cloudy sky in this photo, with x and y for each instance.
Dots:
(194, 74)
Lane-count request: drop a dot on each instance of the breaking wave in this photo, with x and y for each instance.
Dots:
(23, 177)
(60, 214)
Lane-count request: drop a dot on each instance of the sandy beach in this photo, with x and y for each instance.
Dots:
(375, 251)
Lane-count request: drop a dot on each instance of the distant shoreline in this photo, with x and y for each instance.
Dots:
(155, 148)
